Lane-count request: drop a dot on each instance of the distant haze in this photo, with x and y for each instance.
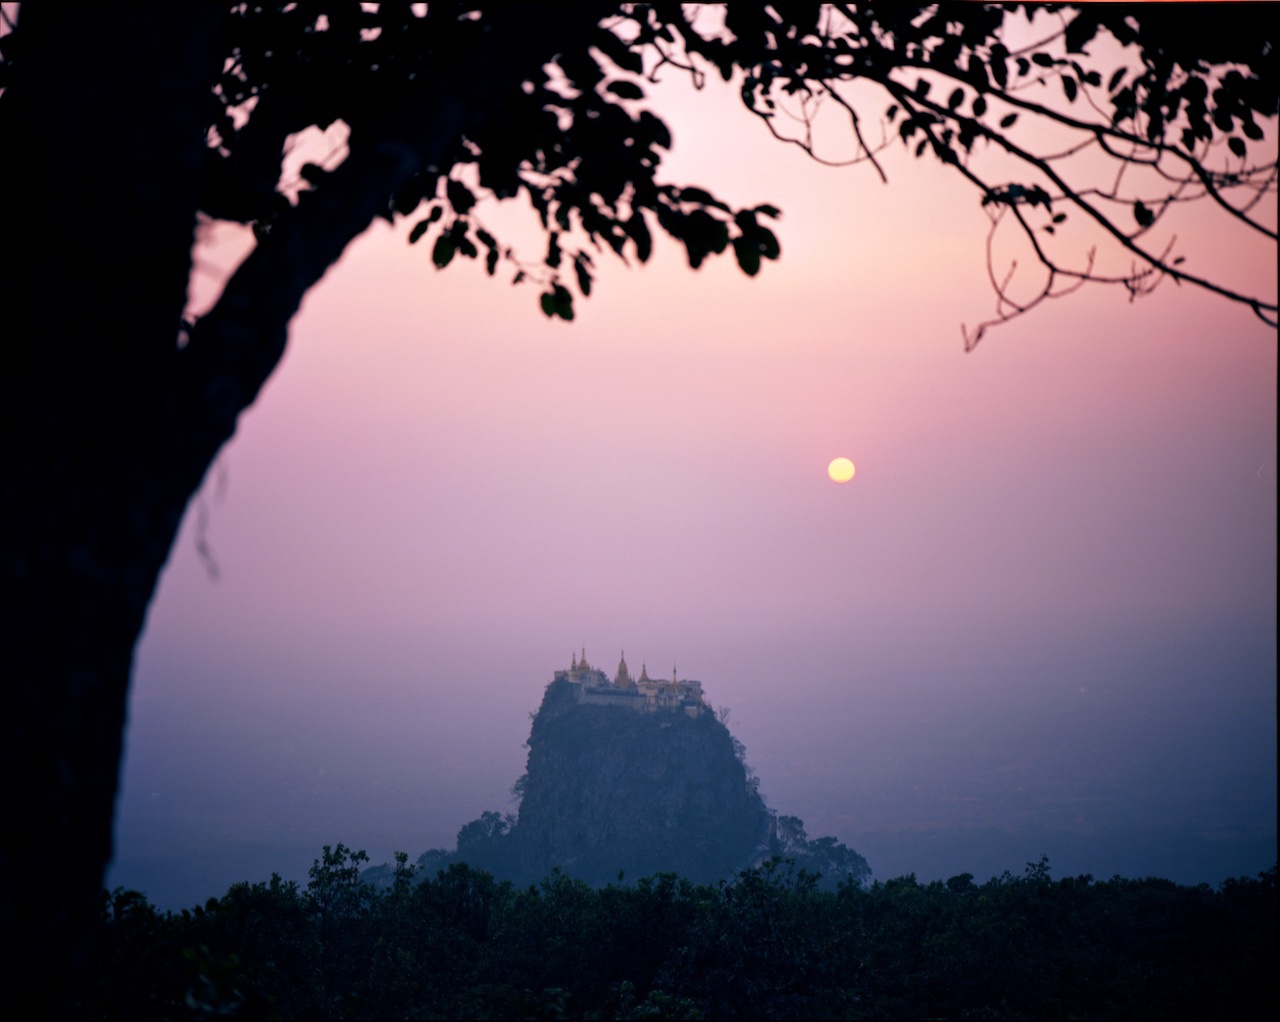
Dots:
(1040, 619)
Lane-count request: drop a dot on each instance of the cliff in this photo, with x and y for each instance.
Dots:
(611, 791)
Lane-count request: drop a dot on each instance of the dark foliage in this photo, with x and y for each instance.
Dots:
(769, 944)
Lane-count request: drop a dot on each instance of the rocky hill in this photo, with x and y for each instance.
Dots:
(611, 792)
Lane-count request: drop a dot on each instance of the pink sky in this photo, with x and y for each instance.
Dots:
(441, 495)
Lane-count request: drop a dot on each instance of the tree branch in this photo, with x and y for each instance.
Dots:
(233, 349)
(1263, 310)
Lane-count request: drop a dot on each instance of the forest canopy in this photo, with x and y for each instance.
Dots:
(768, 944)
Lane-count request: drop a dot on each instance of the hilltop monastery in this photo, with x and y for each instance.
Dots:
(642, 694)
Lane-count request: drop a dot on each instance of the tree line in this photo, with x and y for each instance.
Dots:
(767, 944)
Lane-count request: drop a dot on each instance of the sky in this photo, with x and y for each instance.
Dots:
(1039, 620)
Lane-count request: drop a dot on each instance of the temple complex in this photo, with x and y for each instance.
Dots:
(642, 694)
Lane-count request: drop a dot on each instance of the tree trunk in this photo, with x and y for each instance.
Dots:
(103, 133)
(107, 424)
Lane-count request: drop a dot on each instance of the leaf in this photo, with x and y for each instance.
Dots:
(955, 99)
(1117, 76)
(312, 173)
(1236, 145)
(978, 70)
(563, 302)
(654, 129)
(700, 196)
(442, 253)
(891, 113)
(1043, 59)
(1143, 215)
(581, 268)
(1069, 87)
(548, 302)
(1059, 218)
(1079, 31)
(459, 195)
(769, 247)
(705, 233)
(979, 106)
(998, 64)
(639, 231)
(419, 229)
(616, 238)
(625, 89)
(618, 52)
(553, 250)
(748, 256)
(1007, 120)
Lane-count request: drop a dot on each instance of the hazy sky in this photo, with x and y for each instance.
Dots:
(1043, 609)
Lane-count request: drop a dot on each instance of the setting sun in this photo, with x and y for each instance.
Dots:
(841, 470)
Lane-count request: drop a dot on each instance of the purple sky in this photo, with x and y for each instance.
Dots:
(1046, 600)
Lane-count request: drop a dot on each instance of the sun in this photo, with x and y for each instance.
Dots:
(841, 470)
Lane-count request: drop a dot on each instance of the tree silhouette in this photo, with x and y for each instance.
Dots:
(125, 127)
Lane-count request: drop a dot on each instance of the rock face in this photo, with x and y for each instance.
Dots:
(609, 790)
(621, 784)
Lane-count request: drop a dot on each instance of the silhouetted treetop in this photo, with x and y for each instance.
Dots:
(1109, 114)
